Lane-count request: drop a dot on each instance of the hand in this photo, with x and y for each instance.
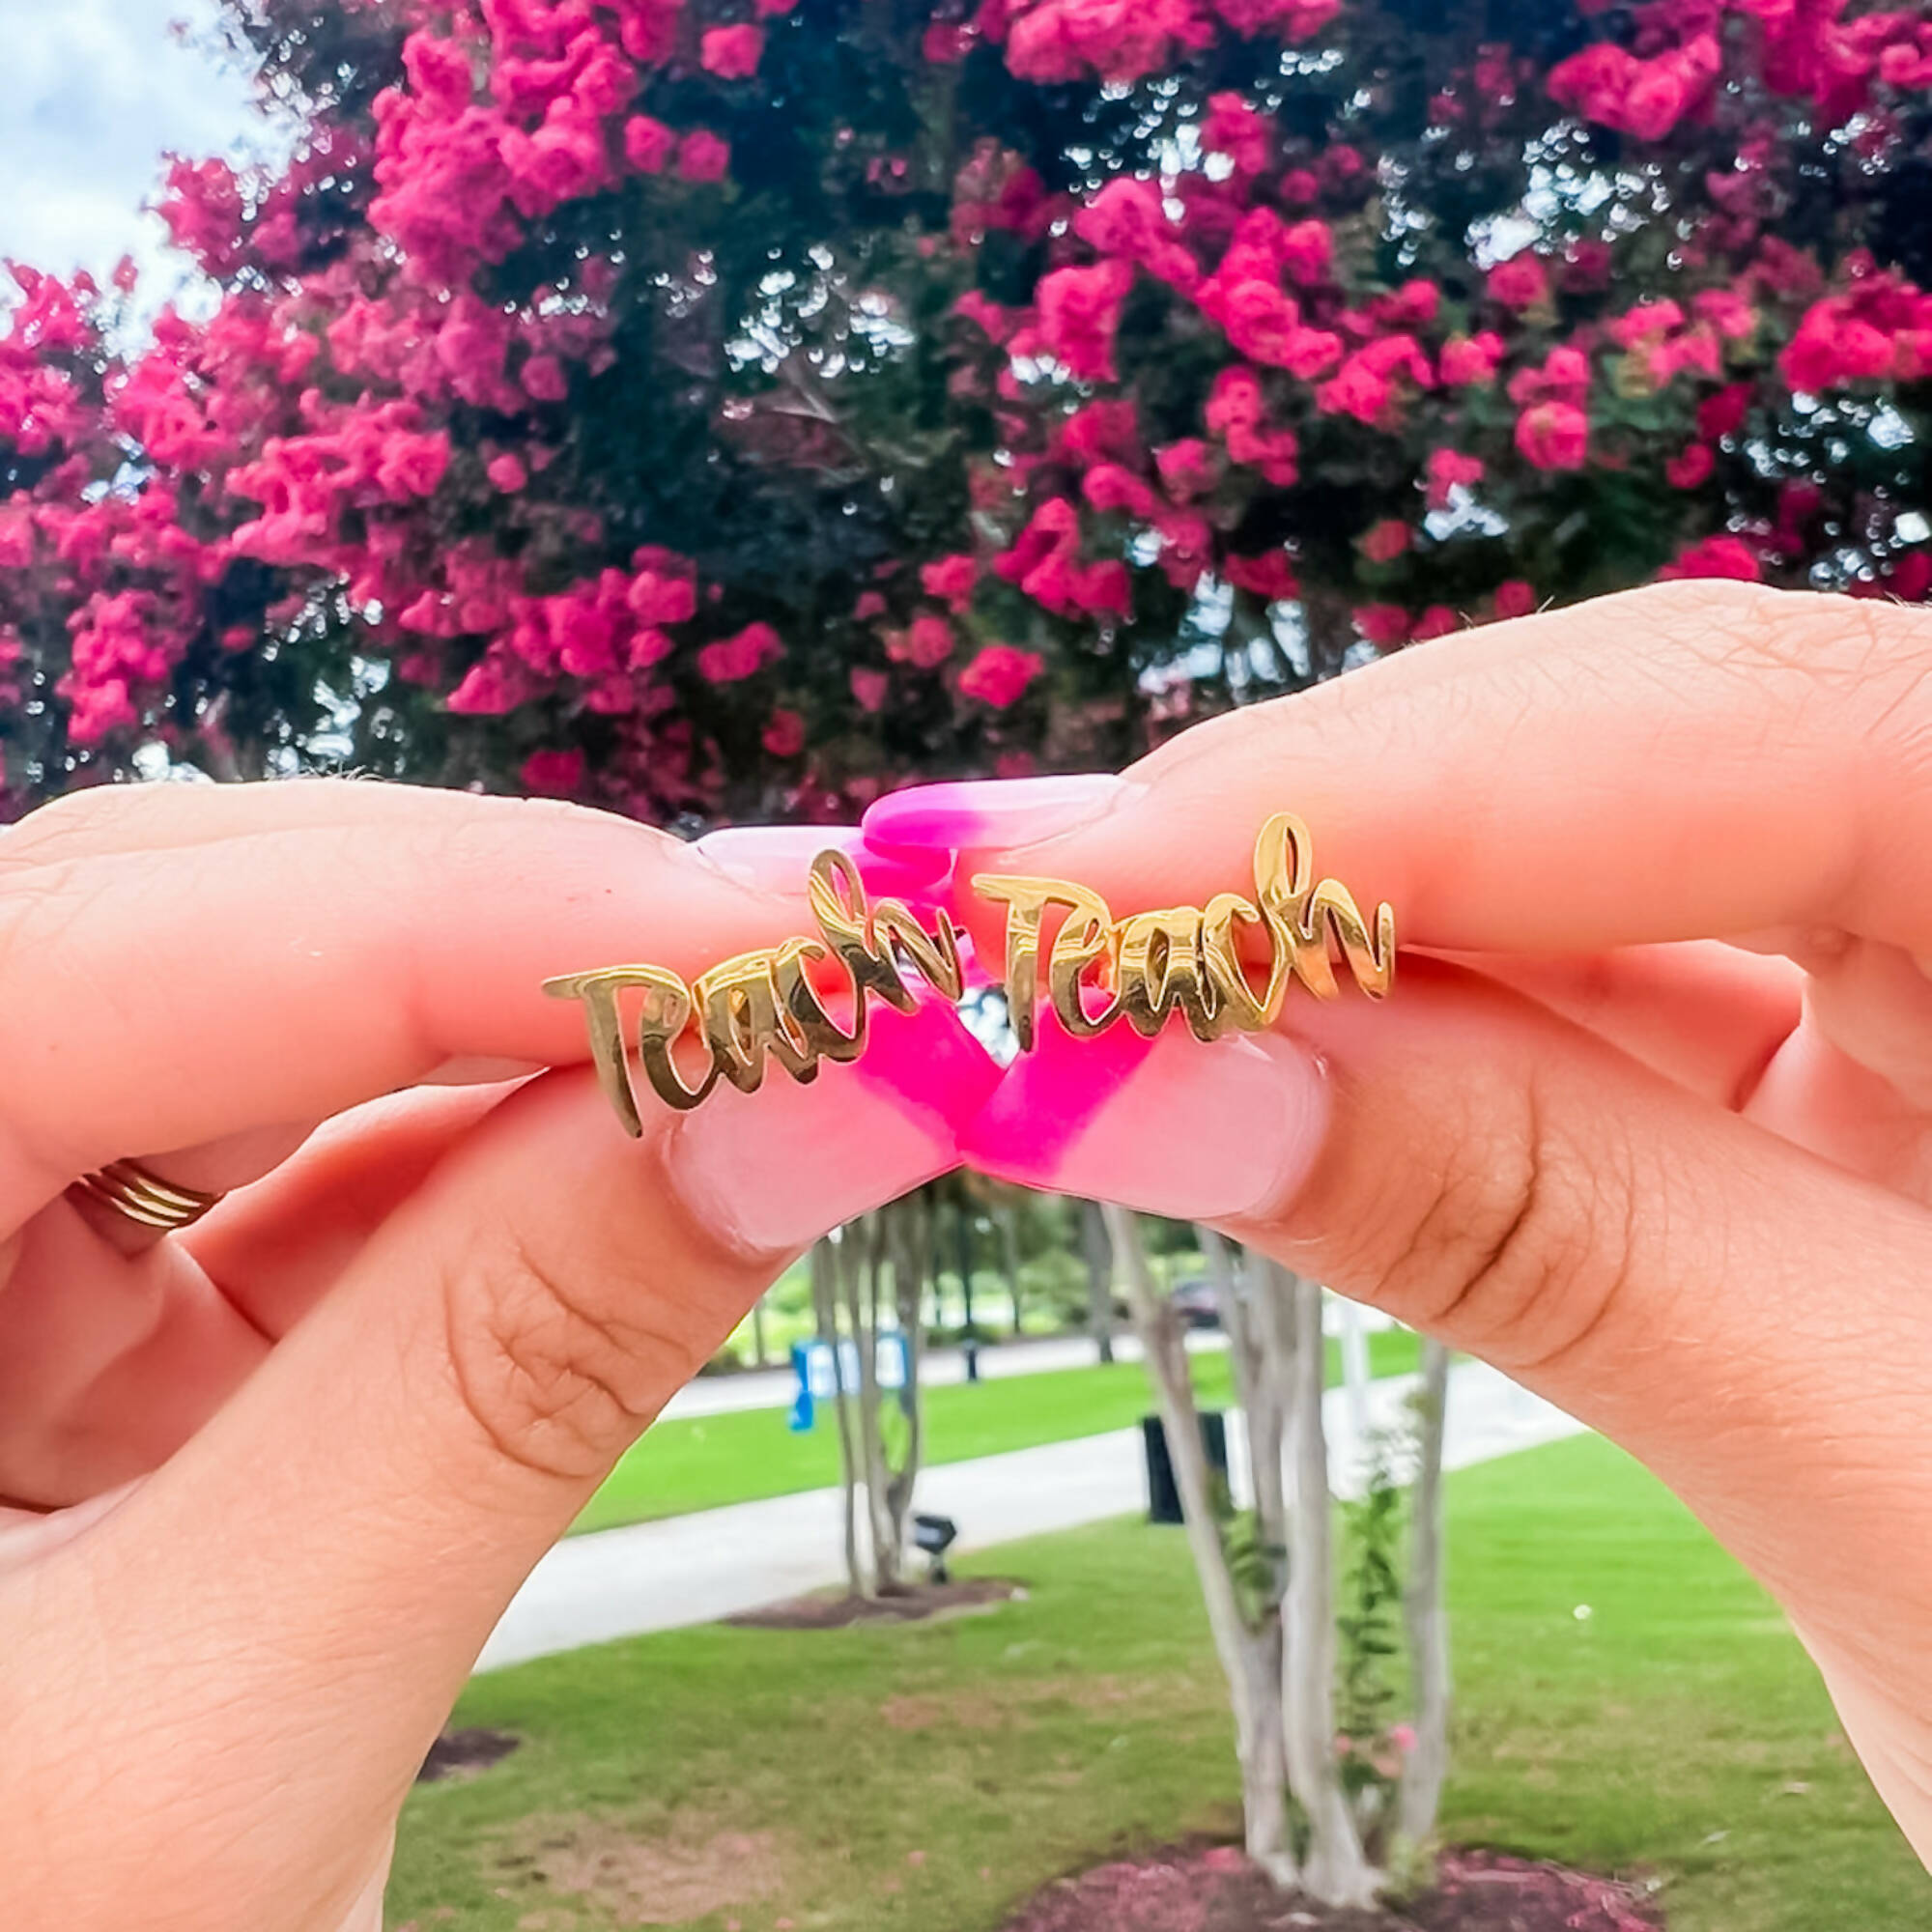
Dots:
(1681, 1188)
(378, 1383)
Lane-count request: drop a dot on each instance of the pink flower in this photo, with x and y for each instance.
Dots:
(1000, 675)
(733, 53)
(1122, 41)
(1260, 319)
(950, 579)
(1646, 321)
(1612, 86)
(701, 156)
(1307, 250)
(1691, 466)
(553, 774)
(1513, 598)
(926, 641)
(1128, 218)
(1437, 621)
(740, 656)
(1186, 548)
(1383, 625)
(411, 465)
(1448, 471)
(1717, 557)
(784, 735)
(661, 592)
(544, 380)
(1832, 346)
(648, 144)
(1469, 361)
(1724, 415)
(1520, 283)
(1079, 313)
(1291, 20)
(871, 604)
(1270, 575)
(1729, 311)
(985, 314)
(1186, 468)
(1107, 486)
(870, 688)
(1403, 1737)
(508, 475)
(1234, 129)
(1385, 541)
(1098, 432)
(1563, 378)
(1554, 435)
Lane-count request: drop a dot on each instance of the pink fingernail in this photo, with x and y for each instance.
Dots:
(775, 1169)
(1199, 1132)
(1007, 812)
(775, 858)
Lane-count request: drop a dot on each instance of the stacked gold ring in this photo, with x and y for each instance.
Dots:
(146, 1198)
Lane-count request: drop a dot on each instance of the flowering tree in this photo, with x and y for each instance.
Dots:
(721, 407)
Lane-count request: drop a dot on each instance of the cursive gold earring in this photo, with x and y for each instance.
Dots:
(1187, 960)
(761, 1007)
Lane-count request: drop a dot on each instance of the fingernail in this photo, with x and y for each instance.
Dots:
(773, 1170)
(1176, 1126)
(776, 858)
(1001, 812)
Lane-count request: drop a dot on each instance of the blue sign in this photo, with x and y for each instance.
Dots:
(824, 1372)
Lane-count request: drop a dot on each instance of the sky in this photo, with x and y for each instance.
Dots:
(91, 94)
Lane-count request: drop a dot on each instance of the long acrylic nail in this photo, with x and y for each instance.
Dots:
(1001, 812)
(772, 1171)
(776, 858)
(1200, 1131)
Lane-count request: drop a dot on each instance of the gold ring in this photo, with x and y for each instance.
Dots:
(146, 1198)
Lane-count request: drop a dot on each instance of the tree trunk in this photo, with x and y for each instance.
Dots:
(1428, 1619)
(825, 1310)
(1250, 1655)
(1336, 1871)
(758, 1333)
(1099, 1252)
(1248, 1327)
(910, 1224)
(1356, 1370)
(860, 1258)
(1007, 1215)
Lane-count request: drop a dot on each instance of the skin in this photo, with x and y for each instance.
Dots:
(276, 1477)
(1653, 1130)
(1645, 1124)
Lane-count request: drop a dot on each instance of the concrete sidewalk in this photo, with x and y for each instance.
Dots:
(695, 1569)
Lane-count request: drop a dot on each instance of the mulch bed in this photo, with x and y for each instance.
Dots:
(459, 1754)
(912, 1605)
(1218, 1891)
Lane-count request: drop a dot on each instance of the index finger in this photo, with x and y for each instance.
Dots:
(1687, 761)
(179, 963)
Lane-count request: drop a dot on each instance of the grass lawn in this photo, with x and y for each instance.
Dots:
(927, 1778)
(704, 1462)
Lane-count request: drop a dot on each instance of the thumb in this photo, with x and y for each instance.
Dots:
(1661, 1268)
(276, 1624)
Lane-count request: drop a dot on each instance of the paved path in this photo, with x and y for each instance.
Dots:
(775, 1389)
(695, 1569)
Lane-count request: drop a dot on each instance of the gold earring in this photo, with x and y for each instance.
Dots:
(1187, 960)
(761, 1007)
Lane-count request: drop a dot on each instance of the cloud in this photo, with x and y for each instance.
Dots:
(95, 91)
